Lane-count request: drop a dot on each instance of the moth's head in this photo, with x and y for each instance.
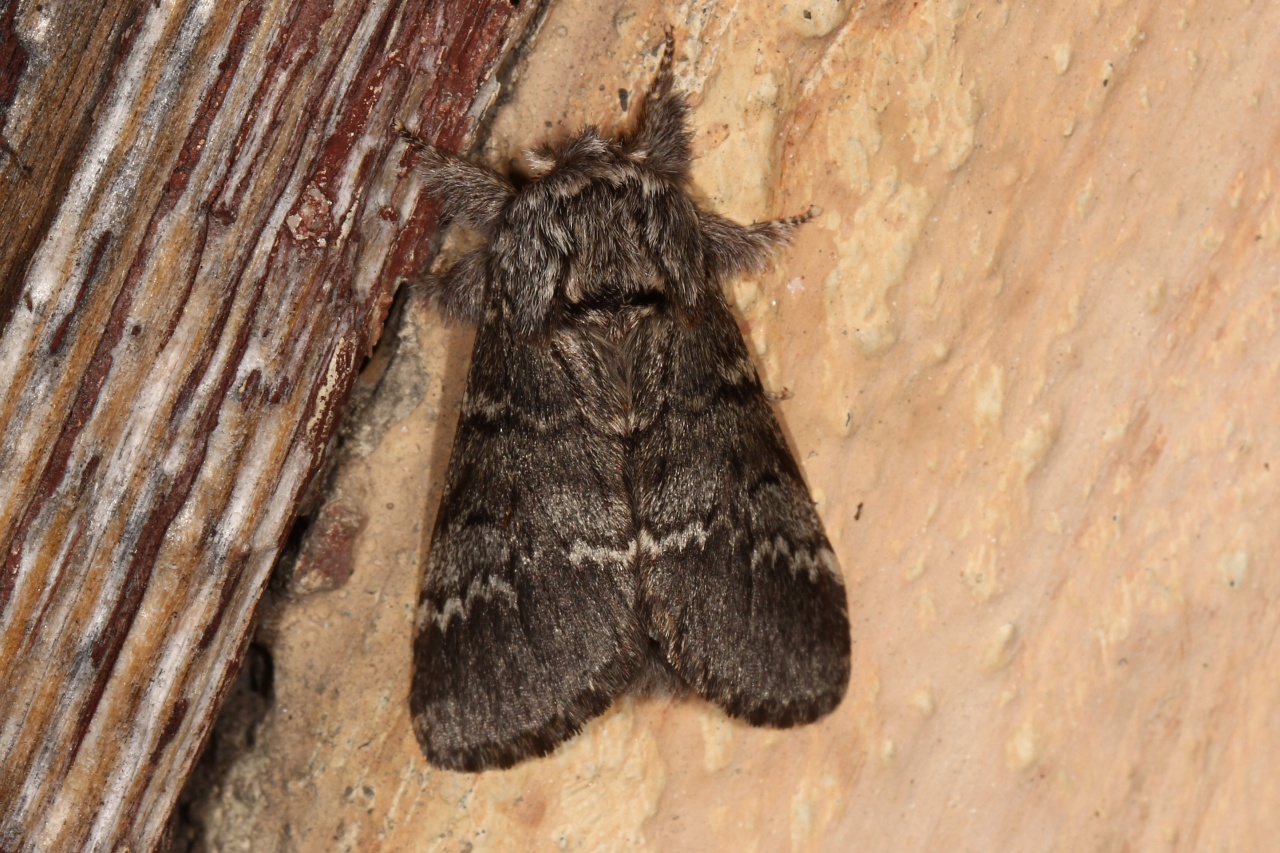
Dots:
(608, 217)
(606, 222)
(587, 152)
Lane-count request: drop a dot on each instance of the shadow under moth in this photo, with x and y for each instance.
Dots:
(621, 508)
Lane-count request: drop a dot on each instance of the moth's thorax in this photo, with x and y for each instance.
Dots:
(614, 328)
(605, 352)
(591, 221)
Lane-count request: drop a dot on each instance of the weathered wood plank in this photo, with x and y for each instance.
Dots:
(203, 218)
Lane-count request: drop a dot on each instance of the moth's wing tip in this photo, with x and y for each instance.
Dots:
(782, 703)
(509, 749)
(483, 757)
(447, 753)
(785, 712)
(527, 714)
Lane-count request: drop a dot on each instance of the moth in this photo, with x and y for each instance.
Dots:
(621, 508)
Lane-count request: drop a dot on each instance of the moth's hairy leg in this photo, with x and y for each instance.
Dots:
(459, 291)
(732, 249)
(467, 193)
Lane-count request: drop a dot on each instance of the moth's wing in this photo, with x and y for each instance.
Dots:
(526, 626)
(738, 583)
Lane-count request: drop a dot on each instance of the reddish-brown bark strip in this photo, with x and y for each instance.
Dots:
(13, 61)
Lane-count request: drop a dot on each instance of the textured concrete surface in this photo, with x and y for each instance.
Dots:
(1028, 357)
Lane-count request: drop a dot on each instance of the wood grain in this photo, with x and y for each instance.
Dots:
(204, 214)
